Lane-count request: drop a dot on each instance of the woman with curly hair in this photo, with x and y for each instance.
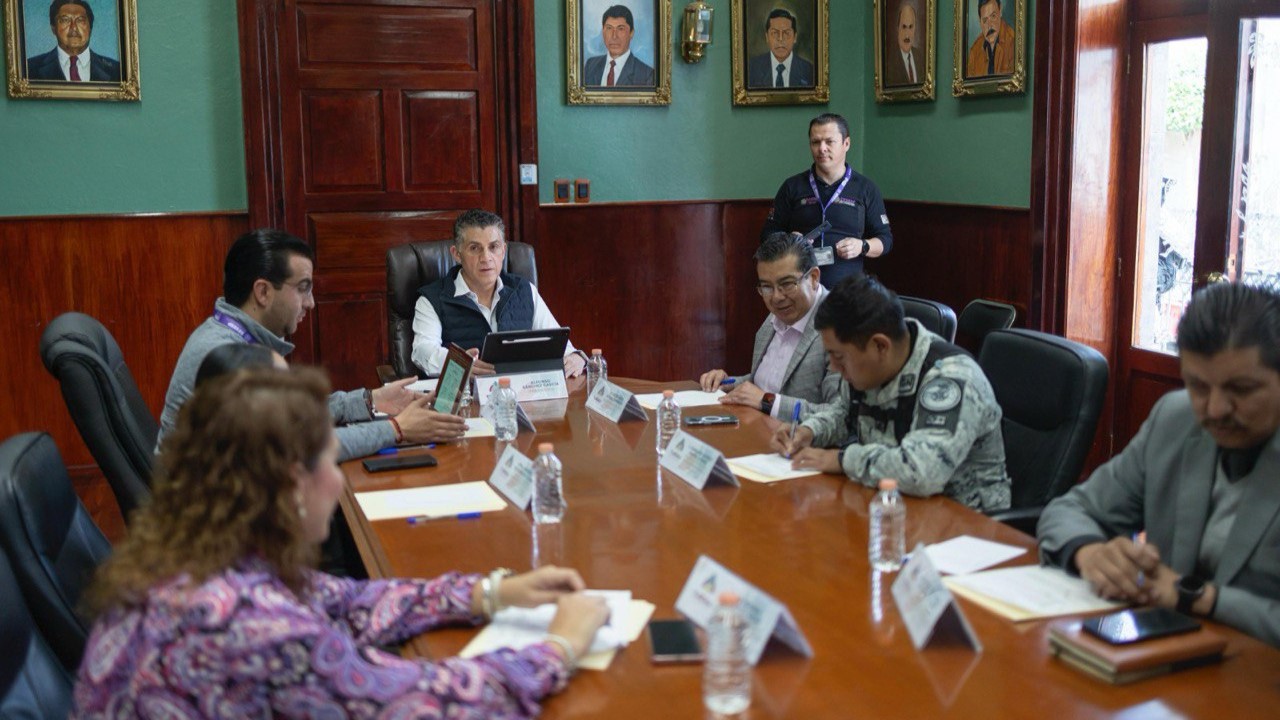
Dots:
(211, 608)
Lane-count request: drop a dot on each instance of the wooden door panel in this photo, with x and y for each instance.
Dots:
(348, 241)
(442, 148)
(342, 136)
(419, 37)
(353, 334)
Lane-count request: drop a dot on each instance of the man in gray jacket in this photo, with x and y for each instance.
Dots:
(267, 290)
(788, 365)
(1201, 480)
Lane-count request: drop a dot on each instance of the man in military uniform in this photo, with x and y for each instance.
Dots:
(914, 407)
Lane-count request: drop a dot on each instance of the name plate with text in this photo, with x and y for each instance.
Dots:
(766, 617)
(696, 462)
(513, 477)
(614, 402)
(927, 607)
(544, 385)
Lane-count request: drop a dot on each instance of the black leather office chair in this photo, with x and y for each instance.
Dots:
(104, 402)
(415, 264)
(981, 317)
(1051, 391)
(936, 317)
(33, 684)
(50, 540)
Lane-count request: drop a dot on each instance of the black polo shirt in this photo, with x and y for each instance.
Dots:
(858, 213)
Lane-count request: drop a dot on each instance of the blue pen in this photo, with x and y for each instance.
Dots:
(728, 381)
(795, 421)
(394, 449)
(460, 516)
(1140, 539)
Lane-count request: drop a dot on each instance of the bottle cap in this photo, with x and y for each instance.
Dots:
(668, 393)
(888, 484)
(728, 597)
(595, 351)
(504, 382)
(545, 448)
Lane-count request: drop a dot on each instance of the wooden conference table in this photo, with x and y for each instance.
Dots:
(803, 541)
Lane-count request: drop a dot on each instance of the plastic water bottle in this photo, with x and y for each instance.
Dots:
(726, 675)
(597, 369)
(504, 411)
(888, 528)
(668, 419)
(548, 487)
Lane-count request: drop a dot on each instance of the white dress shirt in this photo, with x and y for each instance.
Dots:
(909, 64)
(786, 70)
(772, 371)
(82, 62)
(429, 351)
(619, 61)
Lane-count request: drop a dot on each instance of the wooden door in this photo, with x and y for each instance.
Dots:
(371, 123)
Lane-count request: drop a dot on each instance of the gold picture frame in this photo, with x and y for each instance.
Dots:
(36, 69)
(637, 82)
(760, 28)
(905, 74)
(1006, 71)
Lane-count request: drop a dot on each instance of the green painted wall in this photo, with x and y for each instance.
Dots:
(180, 149)
(700, 146)
(976, 151)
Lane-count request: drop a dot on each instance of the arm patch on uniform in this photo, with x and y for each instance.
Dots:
(939, 404)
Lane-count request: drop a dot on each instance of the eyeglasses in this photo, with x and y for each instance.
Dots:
(80, 21)
(786, 286)
(304, 286)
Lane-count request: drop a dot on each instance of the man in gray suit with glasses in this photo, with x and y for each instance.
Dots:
(788, 365)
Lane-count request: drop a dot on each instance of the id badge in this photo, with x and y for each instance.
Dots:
(825, 255)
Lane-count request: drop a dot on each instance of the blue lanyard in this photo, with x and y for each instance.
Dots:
(235, 326)
(813, 184)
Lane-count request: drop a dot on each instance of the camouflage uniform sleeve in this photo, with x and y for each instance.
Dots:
(954, 408)
(827, 421)
(831, 383)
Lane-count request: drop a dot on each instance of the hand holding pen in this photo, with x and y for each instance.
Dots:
(795, 422)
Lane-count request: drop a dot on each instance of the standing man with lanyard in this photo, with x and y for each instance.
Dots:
(831, 191)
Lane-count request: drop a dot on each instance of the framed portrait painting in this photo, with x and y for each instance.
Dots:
(780, 52)
(72, 49)
(905, 37)
(990, 47)
(619, 52)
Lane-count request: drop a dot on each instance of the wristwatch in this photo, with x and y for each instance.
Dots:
(866, 247)
(1190, 589)
(766, 405)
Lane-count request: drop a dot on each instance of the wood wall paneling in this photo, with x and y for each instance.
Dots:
(436, 38)
(443, 147)
(343, 134)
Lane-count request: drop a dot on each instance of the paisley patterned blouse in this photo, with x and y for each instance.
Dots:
(243, 646)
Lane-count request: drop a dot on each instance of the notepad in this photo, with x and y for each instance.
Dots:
(967, 554)
(478, 428)
(433, 501)
(684, 398)
(766, 468)
(1029, 592)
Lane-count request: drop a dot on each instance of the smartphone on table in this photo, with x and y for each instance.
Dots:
(673, 641)
(1131, 626)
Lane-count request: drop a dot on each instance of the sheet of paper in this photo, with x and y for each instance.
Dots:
(766, 468)
(1029, 592)
(967, 554)
(424, 386)
(434, 501)
(478, 428)
(521, 627)
(684, 398)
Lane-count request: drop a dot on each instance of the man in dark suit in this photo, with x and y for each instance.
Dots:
(72, 24)
(780, 67)
(619, 67)
(902, 66)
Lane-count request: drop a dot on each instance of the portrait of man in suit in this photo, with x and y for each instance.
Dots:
(72, 59)
(780, 66)
(618, 67)
(992, 51)
(905, 56)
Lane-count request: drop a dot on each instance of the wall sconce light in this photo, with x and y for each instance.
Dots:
(697, 30)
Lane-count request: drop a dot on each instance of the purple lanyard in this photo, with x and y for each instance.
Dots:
(813, 184)
(235, 325)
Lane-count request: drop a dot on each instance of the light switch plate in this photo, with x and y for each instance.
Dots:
(528, 174)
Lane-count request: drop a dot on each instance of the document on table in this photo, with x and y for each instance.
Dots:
(521, 627)
(684, 398)
(967, 554)
(433, 501)
(1029, 592)
(423, 386)
(766, 468)
(478, 428)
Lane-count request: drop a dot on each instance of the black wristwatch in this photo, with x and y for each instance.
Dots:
(766, 405)
(866, 247)
(1190, 589)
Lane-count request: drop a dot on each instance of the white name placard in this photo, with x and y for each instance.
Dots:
(614, 402)
(513, 477)
(542, 385)
(696, 462)
(927, 607)
(766, 617)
